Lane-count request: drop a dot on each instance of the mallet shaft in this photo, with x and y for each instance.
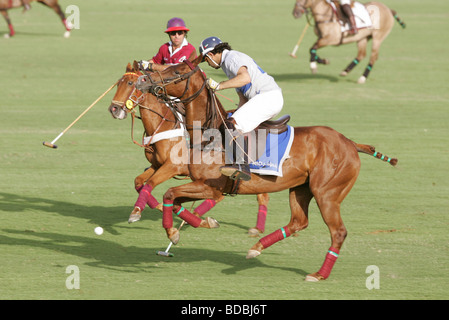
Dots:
(52, 145)
(293, 54)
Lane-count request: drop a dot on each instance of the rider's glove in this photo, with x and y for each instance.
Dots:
(212, 84)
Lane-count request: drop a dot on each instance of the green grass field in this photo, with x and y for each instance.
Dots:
(51, 200)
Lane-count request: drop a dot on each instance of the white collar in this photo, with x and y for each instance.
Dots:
(223, 56)
(170, 47)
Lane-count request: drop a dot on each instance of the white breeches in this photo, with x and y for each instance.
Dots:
(260, 108)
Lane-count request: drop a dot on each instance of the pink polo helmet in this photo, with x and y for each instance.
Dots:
(176, 24)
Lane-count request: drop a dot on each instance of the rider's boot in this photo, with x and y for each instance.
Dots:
(346, 8)
(236, 155)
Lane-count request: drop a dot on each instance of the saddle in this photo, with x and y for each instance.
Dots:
(279, 125)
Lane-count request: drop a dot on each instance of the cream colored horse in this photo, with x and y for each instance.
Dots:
(328, 30)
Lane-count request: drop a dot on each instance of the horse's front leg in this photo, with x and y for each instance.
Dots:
(314, 58)
(173, 199)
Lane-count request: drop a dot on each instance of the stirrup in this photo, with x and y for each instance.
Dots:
(235, 173)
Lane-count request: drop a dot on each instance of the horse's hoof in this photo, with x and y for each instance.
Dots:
(159, 207)
(314, 277)
(212, 223)
(313, 67)
(252, 254)
(135, 215)
(326, 61)
(254, 232)
(361, 80)
(343, 74)
(174, 238)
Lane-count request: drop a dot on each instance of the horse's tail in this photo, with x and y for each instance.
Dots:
(364, 148)
(398, 19)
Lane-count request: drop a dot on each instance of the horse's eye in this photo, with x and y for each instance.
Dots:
(130, 83)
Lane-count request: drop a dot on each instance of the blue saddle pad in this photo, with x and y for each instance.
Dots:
(277, 149)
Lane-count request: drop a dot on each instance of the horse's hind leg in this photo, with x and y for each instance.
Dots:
(8, 21)
(361, 54)
(329, 197)
(173, 199)
(262, 199)
(299, 205)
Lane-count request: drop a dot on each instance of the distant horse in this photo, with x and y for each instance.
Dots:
(165, 134)
(5, 5)
(329, 32)
(322, 164)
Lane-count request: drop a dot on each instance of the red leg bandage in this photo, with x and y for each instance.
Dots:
(190, 218)
(261, 218)
(167, 214)
(274, 237)
(145, 197)
(205, 206)
(331, 258)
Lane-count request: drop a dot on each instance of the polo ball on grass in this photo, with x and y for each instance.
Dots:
(99, 230)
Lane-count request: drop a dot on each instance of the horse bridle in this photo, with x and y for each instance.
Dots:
(157, 88)
(132, 102)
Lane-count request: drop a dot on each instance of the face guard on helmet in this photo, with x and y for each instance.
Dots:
(176, 24)
(208, 44)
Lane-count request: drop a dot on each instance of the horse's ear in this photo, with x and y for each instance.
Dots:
(136, 65)
(129, 68)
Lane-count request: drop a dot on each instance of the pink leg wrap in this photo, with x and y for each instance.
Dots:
(274, 237)
(190, 218)
(145, 197)
(167, 214)
(261, 218)
(205, 206)
(11, 30)
(64, 21)
(331, 258)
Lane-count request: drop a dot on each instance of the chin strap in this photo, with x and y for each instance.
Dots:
(216, 64)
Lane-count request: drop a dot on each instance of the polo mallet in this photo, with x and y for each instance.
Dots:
(293, 53)
(52, 144)
(166, 253)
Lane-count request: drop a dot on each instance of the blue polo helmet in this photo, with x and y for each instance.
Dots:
(209, 44)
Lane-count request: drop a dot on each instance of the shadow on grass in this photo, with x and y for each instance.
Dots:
(292, 77)
(106, 253)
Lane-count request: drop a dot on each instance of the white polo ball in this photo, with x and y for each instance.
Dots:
(99, 230)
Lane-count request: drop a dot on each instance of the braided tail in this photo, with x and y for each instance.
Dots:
(398, 19)
(364, 148)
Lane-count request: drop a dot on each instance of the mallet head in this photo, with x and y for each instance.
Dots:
(50, 145)
(164, 254)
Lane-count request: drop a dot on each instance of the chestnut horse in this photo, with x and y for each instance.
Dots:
(160, 122)
(10, 4)
(328, 30)
(323, 164)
